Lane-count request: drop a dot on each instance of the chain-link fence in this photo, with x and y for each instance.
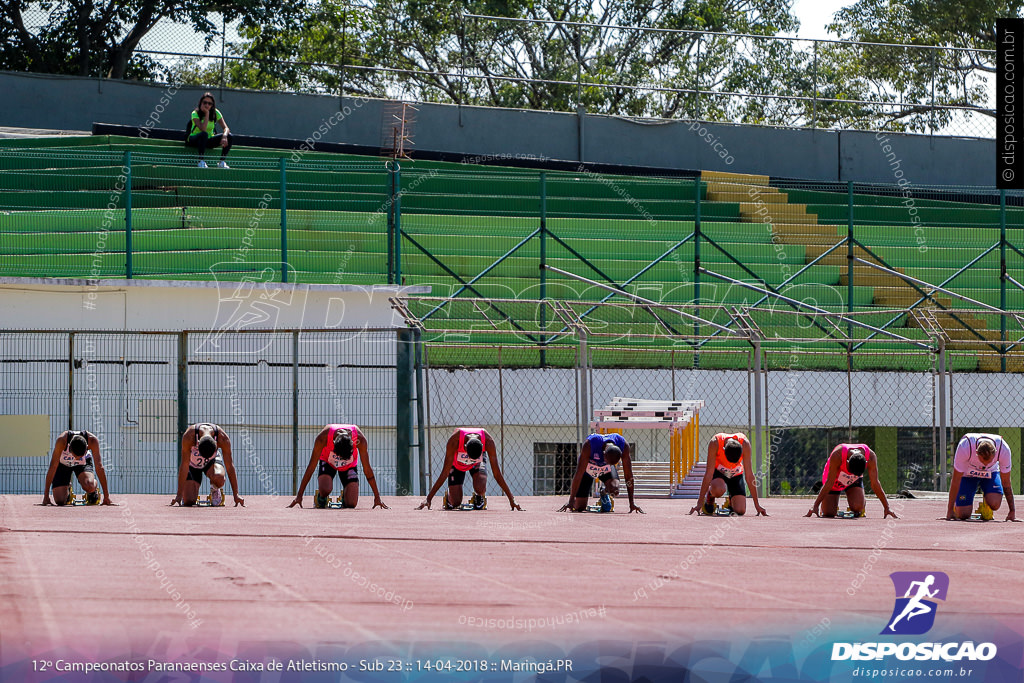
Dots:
(843, 379)
(569, 63)
(272, 392)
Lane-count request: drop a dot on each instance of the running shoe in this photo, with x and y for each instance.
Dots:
(216, 497)
(92, 498)
(607, 504)
(445, 504)
(709, 506)
(223, 164)
(985, 511)
(320, 501)
(478, 502)
(202, 164)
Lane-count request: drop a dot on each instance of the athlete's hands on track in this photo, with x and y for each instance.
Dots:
(814, 512)
(239, 501)
(297, 501)
(378, 502)
(515, 505)
(889, 512)
(634, 508)
(424, 504)
(761, 512)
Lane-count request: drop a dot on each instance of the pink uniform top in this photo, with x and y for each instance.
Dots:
(463, 462)
(333, 459)
(967, 462)
(845, 478)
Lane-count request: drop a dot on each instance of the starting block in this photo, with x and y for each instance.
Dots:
(83, 499)
(471, 505)
(208, 501)
(596, 507)
(849, 514)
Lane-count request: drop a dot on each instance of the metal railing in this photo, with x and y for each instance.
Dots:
(894, 87)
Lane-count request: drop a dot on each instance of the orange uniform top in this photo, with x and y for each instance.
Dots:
(722, 464)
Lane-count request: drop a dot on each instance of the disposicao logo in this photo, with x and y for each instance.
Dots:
(914, 614)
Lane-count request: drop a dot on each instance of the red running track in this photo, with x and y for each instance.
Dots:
(138, 571)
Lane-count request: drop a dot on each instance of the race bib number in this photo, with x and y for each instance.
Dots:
(196, 460)
(68, 458)
(596, 471)
(338, 463)
(731, 471)
(466, 461)
(845, 479)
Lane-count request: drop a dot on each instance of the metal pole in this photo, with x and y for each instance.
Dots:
(182, 388)
(584, 387)
(849, 392)
(849, 254)
(71, 381)
(295, 410)
(501, 410)
(398, 223)
(284, 220)
(814, 81)
(391, 227)
(430, 469)
(223, 51)
(758, 415)
(543, 260)
(942, 414)
(696, 85)
(128, 215)
(1002, 277)
(672, 361)
(696, 265)
(421, 429)
(403, 412)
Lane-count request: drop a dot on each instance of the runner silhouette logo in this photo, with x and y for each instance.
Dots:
(916, 593)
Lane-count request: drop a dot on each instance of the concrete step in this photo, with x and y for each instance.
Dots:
(902, 297)
(868, 277)
(987, 363)
(727, 177)
(734, 193)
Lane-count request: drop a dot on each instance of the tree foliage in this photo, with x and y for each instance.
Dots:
(100, 38)
(935, 85)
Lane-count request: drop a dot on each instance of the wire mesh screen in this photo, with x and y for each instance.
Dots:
(34, 395)
(530, 411)
(271, 392)
(350, 378)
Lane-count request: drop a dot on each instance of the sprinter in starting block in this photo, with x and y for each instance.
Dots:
(78, 454)
(982, 461)
(844, 472)
(464, 454)
(336, 451)
(728, 465)
(202, 446)
(600, 454)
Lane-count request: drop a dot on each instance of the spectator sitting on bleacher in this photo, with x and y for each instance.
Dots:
(202, 127)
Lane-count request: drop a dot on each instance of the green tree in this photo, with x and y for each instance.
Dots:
(428, 49)
(99, 38)
(956, 82)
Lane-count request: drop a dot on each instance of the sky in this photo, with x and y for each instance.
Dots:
(815, 15)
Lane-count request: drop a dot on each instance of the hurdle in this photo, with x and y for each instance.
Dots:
(681, 418)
